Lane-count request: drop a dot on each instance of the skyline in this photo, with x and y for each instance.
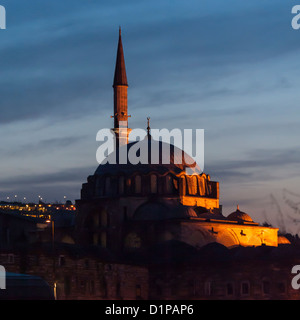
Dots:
(230, 70)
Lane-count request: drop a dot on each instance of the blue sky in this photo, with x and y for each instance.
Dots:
(228, 67)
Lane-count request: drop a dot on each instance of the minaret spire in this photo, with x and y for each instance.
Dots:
(120, 86)
(120, 77)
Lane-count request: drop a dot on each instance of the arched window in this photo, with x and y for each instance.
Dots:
(229, 289)
(128, 185)
(103, 239)
(153, 182)
(138, 184)
(96, 219)
(107, 189)
(208, 288)
(103, 218)
(266, 286)
(121, 185)
(168, 184)
(245, 288)
(95, 239)
(201, 182)
(182, 185)
(191, 184)
(138, 291)
(194, 184)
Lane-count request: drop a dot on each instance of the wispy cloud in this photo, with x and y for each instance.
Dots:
(43, 145)
(64, 177)
(259, 165)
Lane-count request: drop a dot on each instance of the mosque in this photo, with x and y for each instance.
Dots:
(127, 207)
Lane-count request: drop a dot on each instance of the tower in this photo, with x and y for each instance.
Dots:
(120, 86)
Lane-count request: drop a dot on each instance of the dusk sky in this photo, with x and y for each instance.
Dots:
(229, 67)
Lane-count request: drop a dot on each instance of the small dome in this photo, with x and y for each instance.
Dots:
(181, 211)
(239, 216)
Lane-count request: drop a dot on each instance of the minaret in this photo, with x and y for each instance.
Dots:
(120, 98)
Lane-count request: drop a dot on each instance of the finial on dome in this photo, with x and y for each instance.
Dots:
(238, 208)
(120, 31)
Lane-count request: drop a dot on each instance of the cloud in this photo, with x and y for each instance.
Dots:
(68, 176)
(43, 145)
(259, 165)
(62, 67)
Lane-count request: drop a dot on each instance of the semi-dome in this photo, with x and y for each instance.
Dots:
(239, 216)
(146, 156)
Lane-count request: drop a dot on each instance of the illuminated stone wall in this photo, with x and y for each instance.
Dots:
(230, 235)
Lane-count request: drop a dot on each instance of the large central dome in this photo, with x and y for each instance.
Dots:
(146, 156)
